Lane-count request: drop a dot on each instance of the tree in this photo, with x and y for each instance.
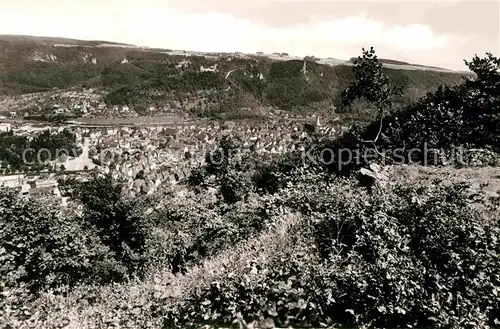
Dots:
(371, 84)
(140, 175)
(226, 165)
(311, 59)
(482, 95)
(43, 250)
(114, 218)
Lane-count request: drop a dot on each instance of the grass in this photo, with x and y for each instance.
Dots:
(138, 304)
(484, 180)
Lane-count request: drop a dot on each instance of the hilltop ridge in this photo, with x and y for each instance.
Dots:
(204, 84)
(54, 40)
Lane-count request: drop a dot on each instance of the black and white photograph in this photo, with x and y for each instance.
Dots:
(249, 164)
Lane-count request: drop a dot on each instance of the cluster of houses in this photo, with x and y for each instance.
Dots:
(151, 156)
(70, 102)
(31, 184)
(85, 102)
(5, 127)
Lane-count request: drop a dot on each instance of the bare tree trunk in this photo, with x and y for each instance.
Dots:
(374, 141)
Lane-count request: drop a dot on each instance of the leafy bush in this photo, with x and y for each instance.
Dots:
(419, 257)
(195, 227)
(42, 250)
(227, 169)
(278, 294)
(190, 230)
(408, 256)
(268, 277)
(115, 219)
(270, 177)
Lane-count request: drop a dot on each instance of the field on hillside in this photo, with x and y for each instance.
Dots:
(484, 180)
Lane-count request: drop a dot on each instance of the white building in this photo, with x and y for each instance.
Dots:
(11, 180)
(5, 127)
(44, 183)
(208, 69)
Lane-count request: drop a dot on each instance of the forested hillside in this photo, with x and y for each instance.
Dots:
(141, 77)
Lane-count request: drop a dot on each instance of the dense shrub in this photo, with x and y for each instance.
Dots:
(277, 294)
(227, 169)
(195, 227)
(185, 226)
(268, 277)
(404, 257)
(271, 176)
(116, 220)
(41, 249)
(419, 257)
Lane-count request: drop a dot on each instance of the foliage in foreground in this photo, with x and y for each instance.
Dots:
(418, 256)
(40, 250)
(113, 218)
(44, 249)
(409, 257)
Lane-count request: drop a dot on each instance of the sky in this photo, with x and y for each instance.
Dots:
(423, 32)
